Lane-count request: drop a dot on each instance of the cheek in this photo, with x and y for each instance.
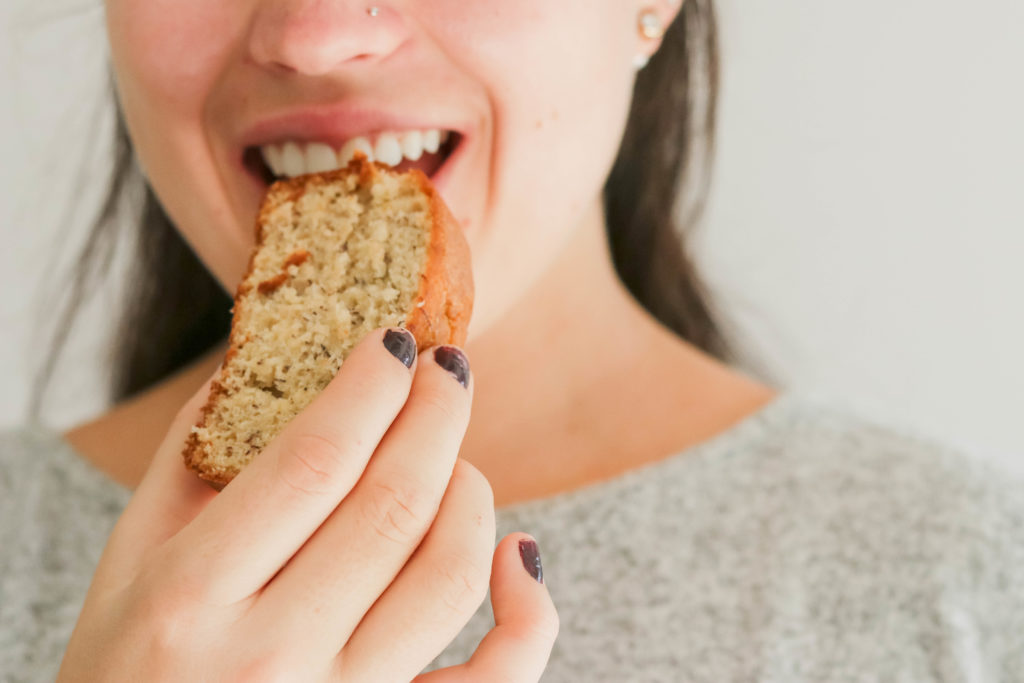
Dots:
(545, 62)
(167, 56)
(561, 102)
(170, 51)
(559, 78)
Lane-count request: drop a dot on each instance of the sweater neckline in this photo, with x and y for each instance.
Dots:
(746, 430)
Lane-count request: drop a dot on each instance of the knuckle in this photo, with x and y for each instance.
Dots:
(165, 619)
(381, 377)
(476, 498)
(446, 403)
(467, 480)
(169, 636)
(546, 625)
(460, 583)
(310, 463)
(183, 585)
(397, 510)
(538, 629)
(270, 665)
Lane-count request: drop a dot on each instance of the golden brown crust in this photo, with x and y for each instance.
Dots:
(445, 300)
(440, 312)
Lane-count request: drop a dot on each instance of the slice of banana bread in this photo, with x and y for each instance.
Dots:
(337, 255)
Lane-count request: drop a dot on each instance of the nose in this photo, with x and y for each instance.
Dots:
(314, 37)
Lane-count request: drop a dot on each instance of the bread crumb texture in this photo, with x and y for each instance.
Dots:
(336, 260)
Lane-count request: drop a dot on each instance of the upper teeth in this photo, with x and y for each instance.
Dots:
(296, 158)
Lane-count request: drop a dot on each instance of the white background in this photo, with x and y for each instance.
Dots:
(864, 230)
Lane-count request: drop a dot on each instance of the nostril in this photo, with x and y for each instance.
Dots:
(315, 38)
(281, 67)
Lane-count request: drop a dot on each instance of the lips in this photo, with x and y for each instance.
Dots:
(321, 138)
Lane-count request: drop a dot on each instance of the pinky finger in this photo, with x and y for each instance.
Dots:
(526, 622)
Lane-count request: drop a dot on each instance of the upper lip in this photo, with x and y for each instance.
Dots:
(336, 124)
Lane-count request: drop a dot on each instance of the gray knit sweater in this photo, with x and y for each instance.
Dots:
(804, 544)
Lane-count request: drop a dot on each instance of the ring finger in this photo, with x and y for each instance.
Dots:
(437, 592)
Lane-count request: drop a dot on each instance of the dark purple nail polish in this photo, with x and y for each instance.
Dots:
(531, 559)
(401, 344)
(454, 361)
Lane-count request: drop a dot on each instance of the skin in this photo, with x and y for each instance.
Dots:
(595, 388)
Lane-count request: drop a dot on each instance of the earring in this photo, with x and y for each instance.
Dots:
(650, 26)
(373, 11)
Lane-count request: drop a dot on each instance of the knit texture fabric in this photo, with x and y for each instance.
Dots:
(803, 544)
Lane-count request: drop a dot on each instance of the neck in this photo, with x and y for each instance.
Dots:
(578, 381)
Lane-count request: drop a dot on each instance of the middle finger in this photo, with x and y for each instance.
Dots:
(333, 581)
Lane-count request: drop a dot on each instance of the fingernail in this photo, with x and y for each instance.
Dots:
(454, 361)
(401, 344)
(531, 559)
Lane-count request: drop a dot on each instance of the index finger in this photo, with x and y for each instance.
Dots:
(267, 512)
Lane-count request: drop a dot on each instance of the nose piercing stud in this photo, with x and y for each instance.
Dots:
(373, 11)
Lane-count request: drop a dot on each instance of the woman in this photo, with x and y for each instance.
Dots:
(697, 525)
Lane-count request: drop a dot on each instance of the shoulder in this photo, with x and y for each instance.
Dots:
(51, 500)
(841, 463)
(55, 508)
(56, 512)
(37, 464)
(896, 529)
(872, 460)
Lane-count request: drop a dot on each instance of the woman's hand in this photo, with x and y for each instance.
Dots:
(318, 563)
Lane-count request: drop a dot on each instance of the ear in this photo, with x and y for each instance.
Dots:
(653, 18)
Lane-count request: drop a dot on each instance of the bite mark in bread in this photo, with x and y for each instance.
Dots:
(337, 254)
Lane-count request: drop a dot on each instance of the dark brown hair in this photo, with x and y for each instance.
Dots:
(175, 309)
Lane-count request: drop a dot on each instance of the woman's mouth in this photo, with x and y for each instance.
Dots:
(426, 150)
